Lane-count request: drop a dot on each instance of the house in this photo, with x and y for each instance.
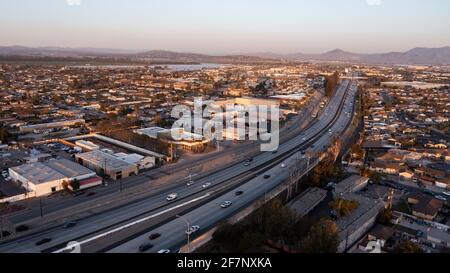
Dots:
(425, 207)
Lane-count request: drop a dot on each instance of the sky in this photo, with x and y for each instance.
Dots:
(228, 26)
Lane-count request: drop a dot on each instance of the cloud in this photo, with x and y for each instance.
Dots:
(374, 2)
(73, 2)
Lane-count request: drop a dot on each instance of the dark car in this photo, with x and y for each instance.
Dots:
(90, 194)
(70, 224)
(43, 241)
(267, 176)
(22, 228)
(239, 193)
(145, 247)
(154, 236)
(78, 193)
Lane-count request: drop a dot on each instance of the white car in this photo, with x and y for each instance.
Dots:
(192, 230)
(283, 166)
(442, 198)
(226, 204)
(206, 185)
(190, 183)
(164, 251)
(447, 193)
(172, 197)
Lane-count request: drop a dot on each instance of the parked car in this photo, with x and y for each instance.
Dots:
(267, 176)
(447, 193)
(440, 197)
(164, 251)
(145, 247)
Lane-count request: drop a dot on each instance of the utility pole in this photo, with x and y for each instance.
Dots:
(188, 233)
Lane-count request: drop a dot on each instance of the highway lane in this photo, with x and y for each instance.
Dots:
(208, 215)
(99, 222)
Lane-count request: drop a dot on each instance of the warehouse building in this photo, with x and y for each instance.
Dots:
(43, 178)
(107, 164)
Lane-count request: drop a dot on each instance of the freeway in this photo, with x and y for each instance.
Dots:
(100, 225)
(207, 216)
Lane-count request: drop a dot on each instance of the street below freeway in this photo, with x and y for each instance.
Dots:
(105, 221)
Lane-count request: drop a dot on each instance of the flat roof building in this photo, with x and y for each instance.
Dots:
(42, 178)
(107, 164)
(350, 185)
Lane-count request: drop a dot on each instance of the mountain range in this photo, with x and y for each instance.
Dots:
(416, 56)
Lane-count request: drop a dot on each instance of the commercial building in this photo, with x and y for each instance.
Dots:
(51, 125)
(87, 145)
(350, 185)
(188, 141)
(307, 201)
(43, 178)
(353, 227)
(107, 164)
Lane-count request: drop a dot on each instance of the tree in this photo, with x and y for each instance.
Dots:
(385, 217)
(322, 238)
(331, 84)
(75, 185)
(4, 135)
(344, 207)
(408, 247)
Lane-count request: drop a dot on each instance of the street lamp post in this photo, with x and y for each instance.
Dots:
(40, 207)
(188, 234)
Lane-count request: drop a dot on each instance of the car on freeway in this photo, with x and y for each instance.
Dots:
(164, 251)
(154, 236)
(172, 197)
(90, 194)
(145, 247)
(192, 230)
(190, 183)
(206, 185)
(43, 241)
(70, 224)
(226, 204)
(247, 163)
(283, 166)
(239, 193)
(440, 197)
(267, 176)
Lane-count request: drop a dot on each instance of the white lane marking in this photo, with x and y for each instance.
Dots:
(134, 223)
